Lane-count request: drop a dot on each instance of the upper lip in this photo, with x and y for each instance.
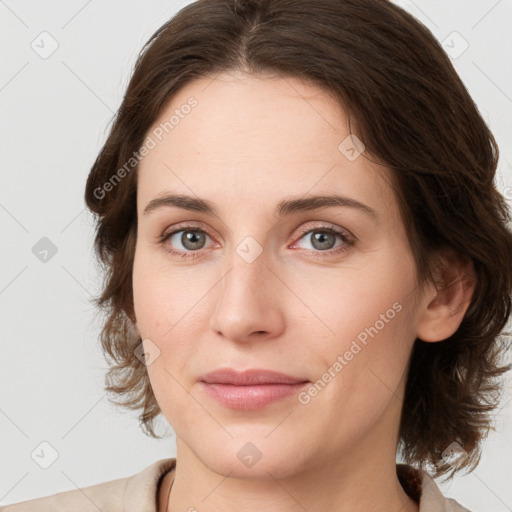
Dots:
(249, 377)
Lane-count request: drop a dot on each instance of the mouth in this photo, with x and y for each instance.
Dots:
(250, 389)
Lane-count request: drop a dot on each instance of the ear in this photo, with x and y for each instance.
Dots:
(445, 302)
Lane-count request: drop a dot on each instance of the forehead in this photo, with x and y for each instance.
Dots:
(278, 114)
(245, 136)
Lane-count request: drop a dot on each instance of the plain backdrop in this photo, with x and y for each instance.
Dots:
(64, 68)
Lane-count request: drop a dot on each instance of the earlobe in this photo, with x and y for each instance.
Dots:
(445, 304)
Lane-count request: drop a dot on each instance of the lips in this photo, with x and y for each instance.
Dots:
(249, 377)
(250, 389)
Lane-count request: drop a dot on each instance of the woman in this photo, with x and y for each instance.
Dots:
(307, 262)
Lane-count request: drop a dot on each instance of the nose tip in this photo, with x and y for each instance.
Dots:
(246, 304)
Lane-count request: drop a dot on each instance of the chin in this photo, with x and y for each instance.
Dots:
(252, 457)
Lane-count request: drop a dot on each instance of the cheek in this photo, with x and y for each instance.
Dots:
(360, 303)
(371, 347)
(170, 308)
(359, 373)
(164, 310)
(160, 294)
(370, 332)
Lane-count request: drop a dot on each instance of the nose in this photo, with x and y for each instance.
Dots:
(248, 301)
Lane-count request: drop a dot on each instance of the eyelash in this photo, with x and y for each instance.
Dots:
(347, 240)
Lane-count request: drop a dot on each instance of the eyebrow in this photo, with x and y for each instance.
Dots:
(283, 208)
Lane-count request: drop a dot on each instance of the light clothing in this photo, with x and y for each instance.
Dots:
(139, 493)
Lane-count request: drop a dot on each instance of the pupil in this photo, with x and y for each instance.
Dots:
(321, 238)
(191, 237)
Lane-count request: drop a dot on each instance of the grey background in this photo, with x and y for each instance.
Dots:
(55, 113)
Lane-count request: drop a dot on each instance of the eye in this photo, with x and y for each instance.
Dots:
(322, 239)
(191, 238)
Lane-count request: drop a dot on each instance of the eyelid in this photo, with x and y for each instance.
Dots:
(186, 226)
(326, 226)
(348, 240)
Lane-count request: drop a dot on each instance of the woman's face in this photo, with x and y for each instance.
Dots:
(261, 283)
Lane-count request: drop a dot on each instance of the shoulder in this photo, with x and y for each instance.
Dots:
(129, 494)
(423, 488)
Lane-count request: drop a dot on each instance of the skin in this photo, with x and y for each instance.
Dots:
(251, 142)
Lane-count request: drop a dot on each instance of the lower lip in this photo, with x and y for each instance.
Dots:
(250, 397)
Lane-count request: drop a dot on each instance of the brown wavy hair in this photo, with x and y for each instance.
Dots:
(407, 104)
